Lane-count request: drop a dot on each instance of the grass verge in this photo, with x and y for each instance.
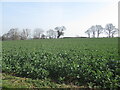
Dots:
(10, 81)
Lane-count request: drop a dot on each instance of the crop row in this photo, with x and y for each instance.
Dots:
(79, 67)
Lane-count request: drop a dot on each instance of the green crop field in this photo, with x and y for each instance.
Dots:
(90, 62)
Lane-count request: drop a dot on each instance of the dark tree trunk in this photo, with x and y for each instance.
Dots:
(58, 36)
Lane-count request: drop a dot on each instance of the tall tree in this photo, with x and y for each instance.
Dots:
(60, 31)
(88, 32)
(99, 29)
(5, 36)
(51, 33)
(115, 31)
(93, 30)
(25, 34)
(13, 34)
(109, 29)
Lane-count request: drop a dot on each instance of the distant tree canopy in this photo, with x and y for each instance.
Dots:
(99, 30)
(57, 32)
(51, 34)
(38, 33)
(109, 29)
(60, 31)
(15, 34)
(25, 34)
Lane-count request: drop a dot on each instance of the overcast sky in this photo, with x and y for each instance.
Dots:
(77, 17)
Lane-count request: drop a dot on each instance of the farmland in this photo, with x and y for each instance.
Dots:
(90, 62)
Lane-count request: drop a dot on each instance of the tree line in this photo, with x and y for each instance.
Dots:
(15, 34)
(38, 33)
(96, 30)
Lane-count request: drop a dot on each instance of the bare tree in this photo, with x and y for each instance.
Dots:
(88, 32)
(99, 29)
(114, 32)
(110, 29)
(51, 33)
(93, 30)
(13, 34)
(5, 36)
(25, 34)
(60, 31)
(38, 33)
